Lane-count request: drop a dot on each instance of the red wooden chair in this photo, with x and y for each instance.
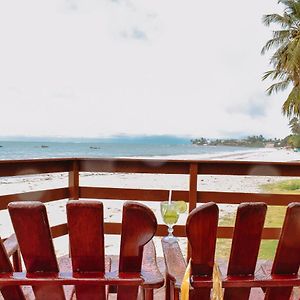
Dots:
(9, 248)
(90, 273)
(242, 281)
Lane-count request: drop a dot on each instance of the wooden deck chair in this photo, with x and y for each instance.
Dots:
(88, 274)
(8, 248)
(31, 225)
(242, 279)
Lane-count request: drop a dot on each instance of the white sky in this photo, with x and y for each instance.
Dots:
(101, 67)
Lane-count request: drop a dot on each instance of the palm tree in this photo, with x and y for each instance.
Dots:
(294, 125)
(286, 58)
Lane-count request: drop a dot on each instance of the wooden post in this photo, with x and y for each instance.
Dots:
(192, 193)
(17, 261)
(193, 186)
(74, 181)
(148, 294)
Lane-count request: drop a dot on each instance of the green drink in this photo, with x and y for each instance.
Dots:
(169, 213)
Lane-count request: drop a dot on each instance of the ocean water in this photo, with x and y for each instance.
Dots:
(44, 149)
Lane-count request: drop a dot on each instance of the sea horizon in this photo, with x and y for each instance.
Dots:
(142, 146)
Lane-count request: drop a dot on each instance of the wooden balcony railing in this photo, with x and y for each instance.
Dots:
(188, 167)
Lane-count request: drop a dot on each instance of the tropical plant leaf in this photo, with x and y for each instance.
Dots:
(275, 74)
(278, 86)
(284, 21)
(286, 57)
(274, 43)
(291, 106)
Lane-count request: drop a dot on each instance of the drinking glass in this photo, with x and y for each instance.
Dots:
(169, 212)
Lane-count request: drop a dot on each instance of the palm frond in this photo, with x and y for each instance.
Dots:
(292, 7)
(287, 3)
(282, 34)
(274, 43)
(286, 57)
(293, 121)
(291, 106)
(297, 9)
(280, 58)
(295, 53)
(278, 86)
(268, 74)
(294, 124)
(284, 21)
(275, 75)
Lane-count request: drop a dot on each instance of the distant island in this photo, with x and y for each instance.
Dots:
(255, 141)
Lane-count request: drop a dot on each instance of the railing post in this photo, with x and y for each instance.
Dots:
(17, 261)
(192, 193)
(74, 181)
(193, 186)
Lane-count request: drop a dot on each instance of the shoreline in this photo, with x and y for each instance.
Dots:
(259, 154)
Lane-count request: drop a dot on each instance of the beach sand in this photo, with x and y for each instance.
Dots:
(113, 209)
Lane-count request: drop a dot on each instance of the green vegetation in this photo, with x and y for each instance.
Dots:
(285, 61)
(275, 214)
(286, 57)
(274, 218)
(266, 251)
(256, 141)
(294, 125)
(294, 139)
(291, 186)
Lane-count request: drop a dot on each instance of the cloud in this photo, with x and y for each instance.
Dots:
(134, 33)
(71, 5)
(255, 107)
(73, 74)
(139, 34)
(133, 21)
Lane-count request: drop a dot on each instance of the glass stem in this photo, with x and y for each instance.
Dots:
(170, 231)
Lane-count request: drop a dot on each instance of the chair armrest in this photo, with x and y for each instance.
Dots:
(70, 278)
(150, 272)
(175, 262)
(11, 245)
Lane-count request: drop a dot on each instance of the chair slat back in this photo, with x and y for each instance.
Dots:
(85, 225)
(287, 257)
(8, 292)
(138, 227)
(245, 245)
(86, 233)
(201, 231)
(31, 226)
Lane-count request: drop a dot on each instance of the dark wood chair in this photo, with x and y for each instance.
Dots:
(240, 279)
(9, 249)
(90, 273)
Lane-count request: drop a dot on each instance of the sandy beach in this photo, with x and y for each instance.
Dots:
(113, 209)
